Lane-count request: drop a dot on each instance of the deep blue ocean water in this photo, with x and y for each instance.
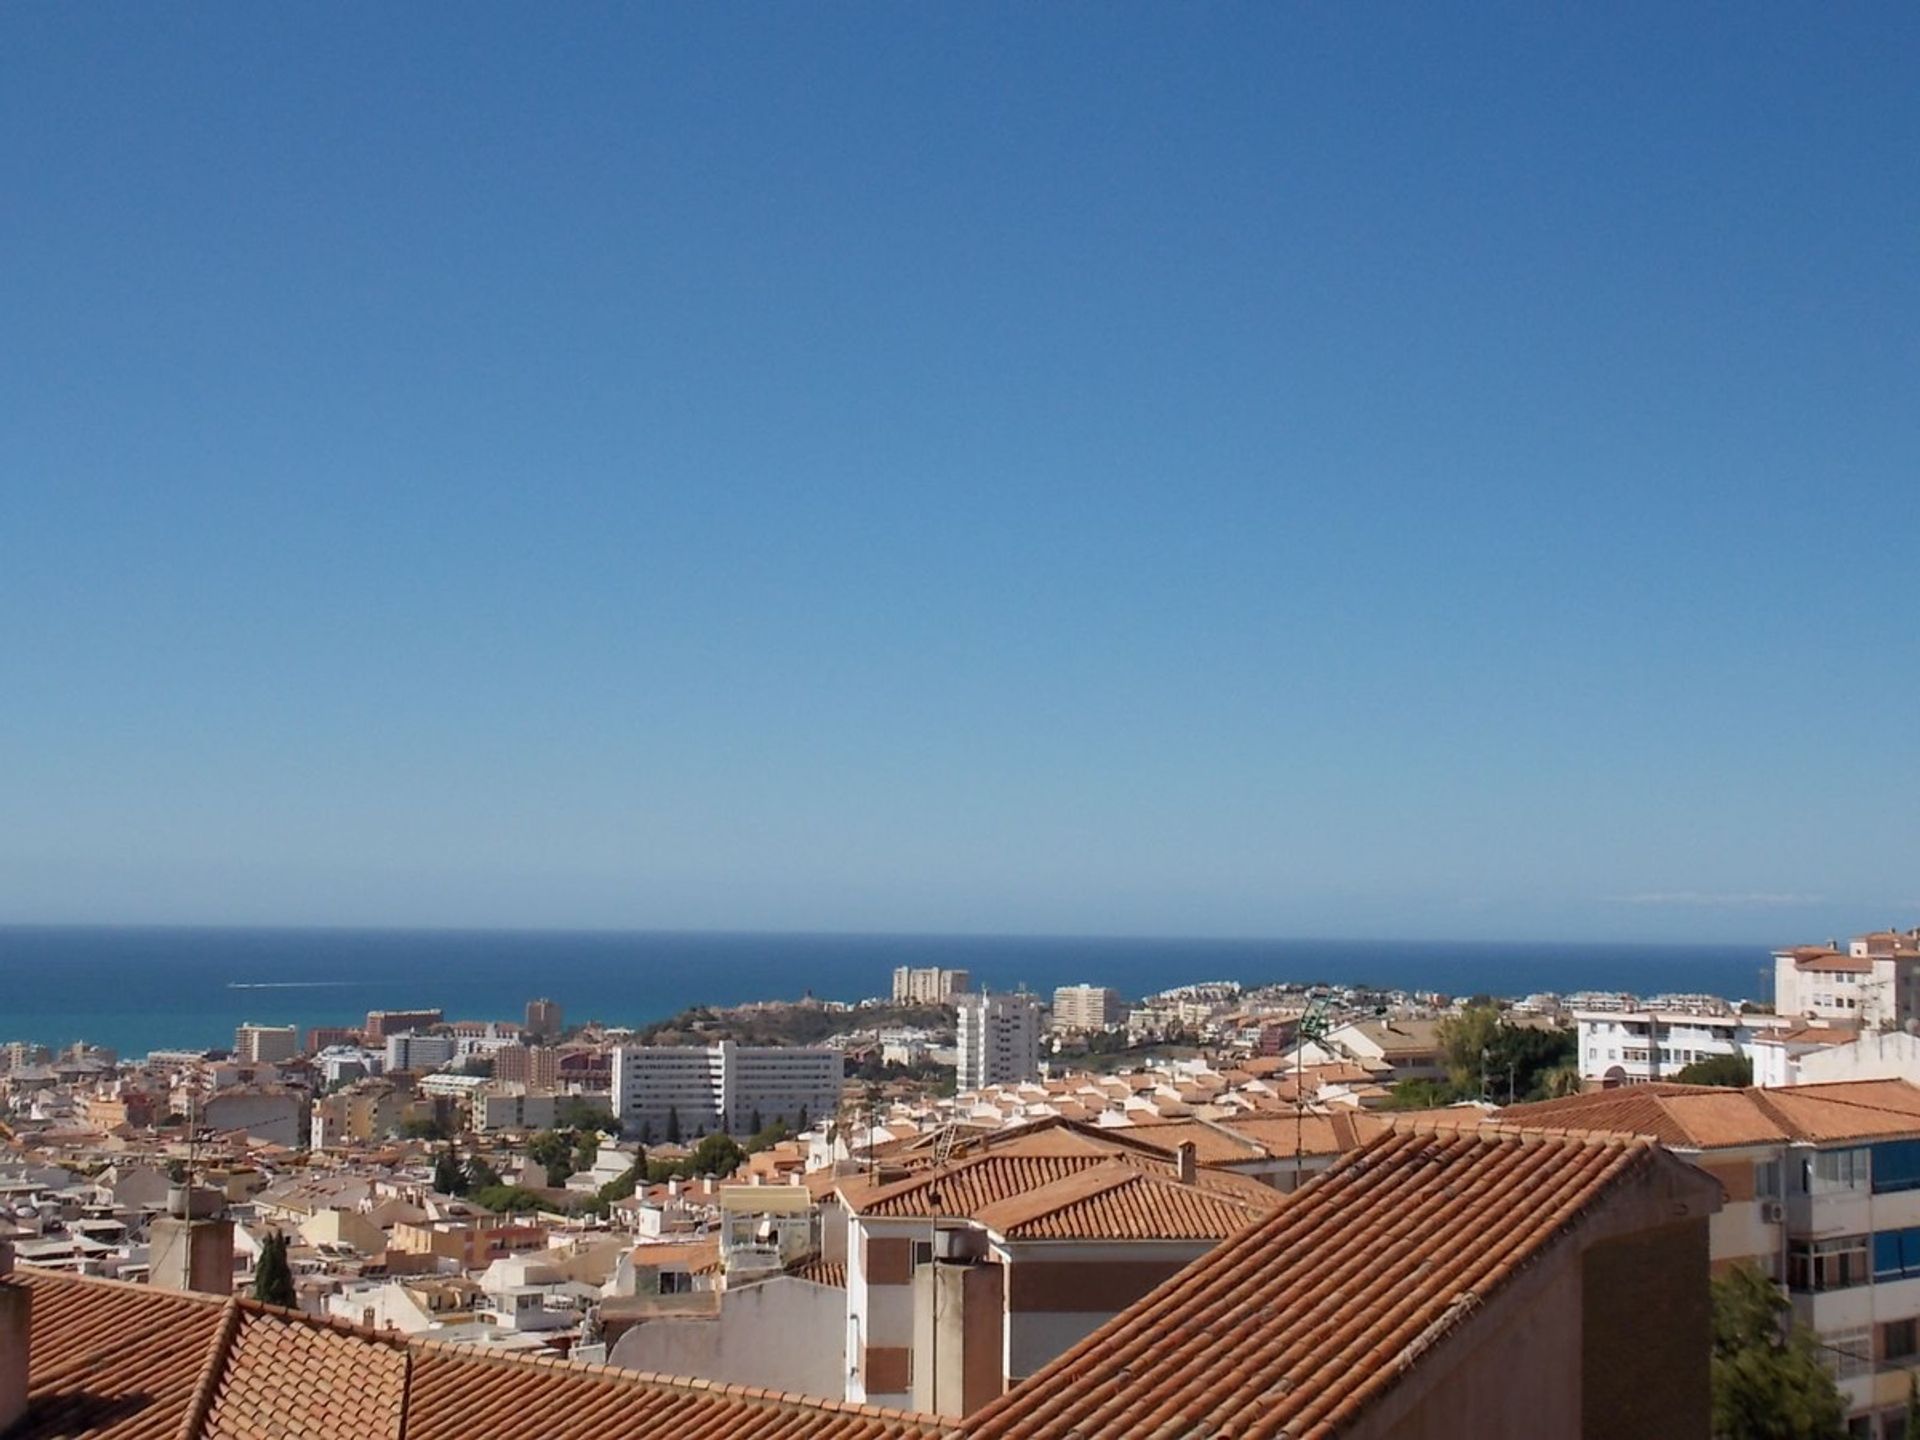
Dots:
(141, 989)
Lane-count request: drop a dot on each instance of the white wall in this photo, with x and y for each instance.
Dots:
(784, 1334)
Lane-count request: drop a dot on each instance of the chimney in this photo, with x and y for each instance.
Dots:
(1183, 1162)
(16, 1329)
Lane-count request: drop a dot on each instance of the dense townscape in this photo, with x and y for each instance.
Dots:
(942, 1207)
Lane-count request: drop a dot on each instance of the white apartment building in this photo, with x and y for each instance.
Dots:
(419, 1052)
(928, 984)
(1631, 1047)
(1087, 1007)
(699, 1089)
(265, 1044)
(1874, 982)
(999, 1039)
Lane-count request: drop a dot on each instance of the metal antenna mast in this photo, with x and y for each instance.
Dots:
(1313, 1026)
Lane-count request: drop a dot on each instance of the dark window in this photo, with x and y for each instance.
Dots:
(1899, 1340)
(1896, 1166)
(1830, 1264)
(1896, 1254)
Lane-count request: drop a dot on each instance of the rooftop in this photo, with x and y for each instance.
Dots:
(126, 1362)
(1705, 1117)
(1119, 1201)
(1305, 1319)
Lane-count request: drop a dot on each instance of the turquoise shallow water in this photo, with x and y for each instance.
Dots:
(139, 989)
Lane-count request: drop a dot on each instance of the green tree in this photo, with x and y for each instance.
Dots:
(1468, 1041)
(673, 1125)
(1561, 1081)
(1421, 1095)
(503, 1199)
(554, 1150)
(623, 1188)
(716, 1154)
(769, 1136)
(1735, 1071)
(576, 1113)
(480, 1174)
(1489, 1056)
(449, 1178)
(1768, 1381)
(273, 1276)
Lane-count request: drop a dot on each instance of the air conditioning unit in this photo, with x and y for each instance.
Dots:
(1772, 1212)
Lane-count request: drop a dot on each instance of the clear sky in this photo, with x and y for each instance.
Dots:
(1241, 469)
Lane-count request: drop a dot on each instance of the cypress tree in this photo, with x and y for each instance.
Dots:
(273, 1276)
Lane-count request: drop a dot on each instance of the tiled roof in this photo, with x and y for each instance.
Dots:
(821, 1271)
(1285, 1134)
(1703, 1117)
(283, 1380)
(1118, 1201)
(963, 1188)
(1023, 1162)
(111, 1361)
(88, 1379)
(460, 1394)
(1303, 1320)
(1212, 1145)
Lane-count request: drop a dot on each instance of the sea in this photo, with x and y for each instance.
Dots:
(135, 990)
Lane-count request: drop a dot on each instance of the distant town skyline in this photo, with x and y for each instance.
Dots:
(1259, 472)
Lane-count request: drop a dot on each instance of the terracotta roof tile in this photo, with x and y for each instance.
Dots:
(821, 1271)
(1212, 1145)
(459, 1394)
(1703, 1117)
(1301, 1321)
(120, 1362)
(112, 1361)
(283, 1381)
(1119, 1201)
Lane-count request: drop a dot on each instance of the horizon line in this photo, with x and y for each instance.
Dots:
(683, 931)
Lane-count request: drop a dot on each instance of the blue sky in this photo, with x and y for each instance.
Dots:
(1339, 470)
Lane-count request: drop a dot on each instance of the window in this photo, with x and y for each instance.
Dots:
(1766, 1180)
(922, 1253)
(1896, 1254)
(1899, 1340)
(1847, 1353)
(1896, 1166)
(1827, 1264)
(1835, 1171)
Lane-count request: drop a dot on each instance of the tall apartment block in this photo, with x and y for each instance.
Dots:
(723, 1087)
(419, 1053)
(382, 1023)
(543, 1019)
(928, 984)
(535, 1066)
(999, 1039)
(264, 1044)
(1087, 1007)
